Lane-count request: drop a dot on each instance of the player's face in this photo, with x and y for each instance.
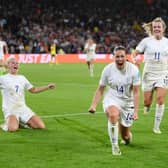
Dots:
(13, 66)
(158, 30)
(120, 58)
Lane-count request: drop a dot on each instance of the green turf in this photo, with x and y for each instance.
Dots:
(74, 138)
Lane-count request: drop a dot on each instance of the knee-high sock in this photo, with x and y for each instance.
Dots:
(146, 109)
(91, 69)
(113, 132)
(158, 115)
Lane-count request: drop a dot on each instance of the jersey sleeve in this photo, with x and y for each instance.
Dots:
(103, 80)
(1, 82)
(28, 85)
(141, 46)
(86, 46)
(136, 77)
(94, 46)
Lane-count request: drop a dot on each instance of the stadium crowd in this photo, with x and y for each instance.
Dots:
(32, 26)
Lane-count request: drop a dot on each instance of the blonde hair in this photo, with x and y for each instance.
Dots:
(9, 59)
(148, 26)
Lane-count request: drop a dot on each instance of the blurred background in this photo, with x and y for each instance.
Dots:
(31, 26)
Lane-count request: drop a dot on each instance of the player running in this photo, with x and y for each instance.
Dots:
(121, 99)
(90, 50)
(155, 72)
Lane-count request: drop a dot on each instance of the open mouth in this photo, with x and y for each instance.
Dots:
(157, 31)
(120, 63)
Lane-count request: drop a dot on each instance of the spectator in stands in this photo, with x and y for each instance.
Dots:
(44, 22)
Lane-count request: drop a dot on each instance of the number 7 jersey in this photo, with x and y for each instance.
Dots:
(12, 89)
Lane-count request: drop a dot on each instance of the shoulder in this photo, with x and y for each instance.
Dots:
(86, 45)
(110, 65)
(165, 39)
(2, 77)
(2, 43)
(21, 76)
(147, 39)
(132, 67)
(5, 76)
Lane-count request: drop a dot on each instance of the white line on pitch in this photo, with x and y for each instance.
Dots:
(77, 114)
(68, 115)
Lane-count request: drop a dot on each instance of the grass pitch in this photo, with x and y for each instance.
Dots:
(74, 138)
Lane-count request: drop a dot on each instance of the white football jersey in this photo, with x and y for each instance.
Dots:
(12, 89)
(2, 45)
(155, 53)
(120, 82)
(91, 49)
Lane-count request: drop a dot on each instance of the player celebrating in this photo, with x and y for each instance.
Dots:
(121, 98)
(14, 107)
(90, 50)
(155, 72)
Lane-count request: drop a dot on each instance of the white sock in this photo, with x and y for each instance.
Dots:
(113, 133)
(158, 115)
(146, 109)
(91, 69)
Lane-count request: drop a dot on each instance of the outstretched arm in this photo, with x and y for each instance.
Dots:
(96, 98)
(42, 88)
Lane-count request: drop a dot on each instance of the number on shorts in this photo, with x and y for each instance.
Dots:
(165, 80)
(129, 117)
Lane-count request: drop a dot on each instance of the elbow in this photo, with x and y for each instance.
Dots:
(33, 90)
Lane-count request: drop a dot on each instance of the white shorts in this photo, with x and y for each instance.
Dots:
(89, 57)
(126, 109)
(151, 81)
(23, 114)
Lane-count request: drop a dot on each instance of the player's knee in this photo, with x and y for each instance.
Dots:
(147, 102)
(113, 116)
(160, 100)
(42, 126)
(13, 128)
